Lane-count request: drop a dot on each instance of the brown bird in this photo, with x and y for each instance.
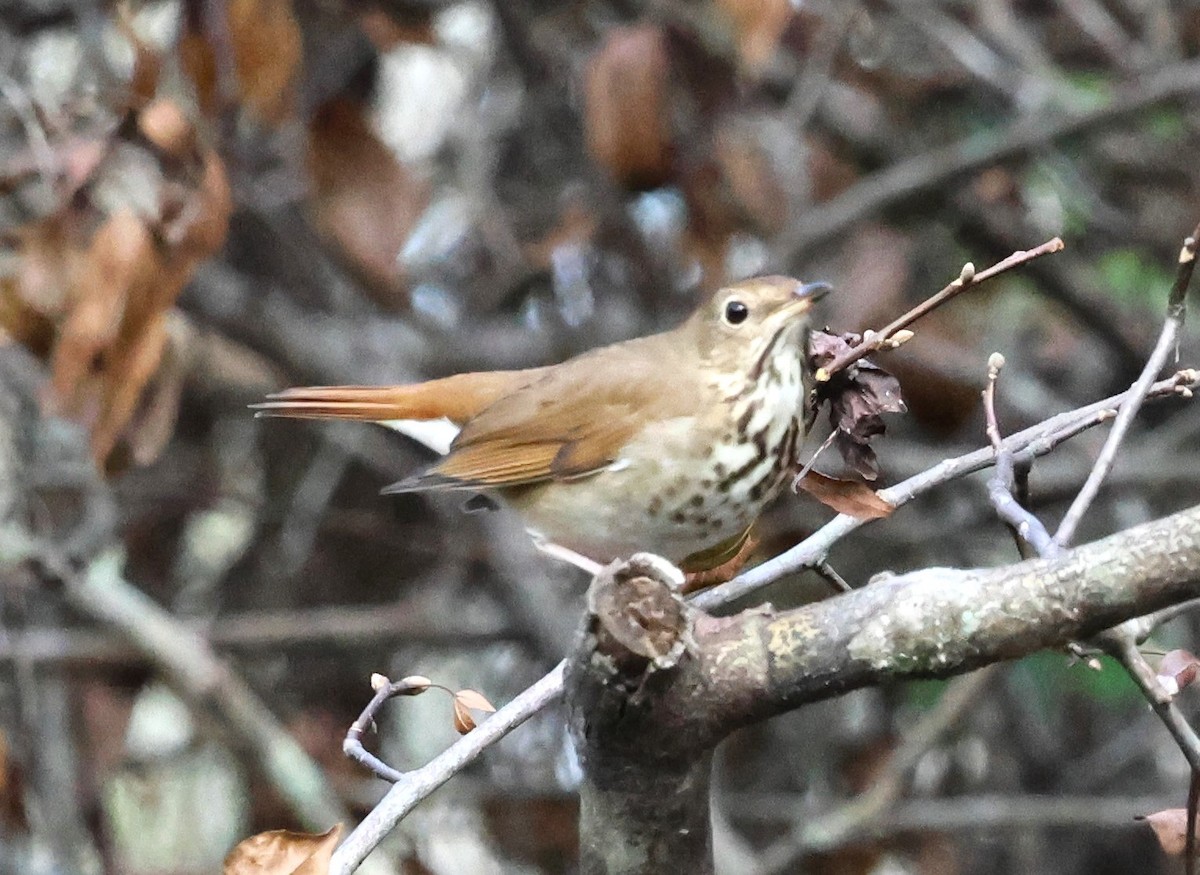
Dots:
(672, 443)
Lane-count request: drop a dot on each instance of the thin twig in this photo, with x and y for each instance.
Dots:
(352, 746)
(1150, 622)
(1025, 526)
(968, 278)
(1122, 647)
(1121, 641)
(830, 575)
(1166, 346)
(419, 783)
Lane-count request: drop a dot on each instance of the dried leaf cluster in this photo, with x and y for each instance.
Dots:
(858, 397)
(139, 209)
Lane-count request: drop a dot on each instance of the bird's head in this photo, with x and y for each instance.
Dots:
(744, 323)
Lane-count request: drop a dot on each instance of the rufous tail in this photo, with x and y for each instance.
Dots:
(457, 398)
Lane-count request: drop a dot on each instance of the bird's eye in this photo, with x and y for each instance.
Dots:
(736, 312)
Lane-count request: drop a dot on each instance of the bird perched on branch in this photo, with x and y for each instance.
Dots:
(672, 443)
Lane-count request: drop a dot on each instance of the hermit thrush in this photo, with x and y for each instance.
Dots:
(672, 443)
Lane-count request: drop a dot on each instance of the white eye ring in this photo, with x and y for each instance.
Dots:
(736, 312)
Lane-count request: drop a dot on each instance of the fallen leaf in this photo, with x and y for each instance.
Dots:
(1170, 828)
(364, 200)
(1177, 671)
(266, 47)
(283, 852)
(121, 257)
(751, 174)
(164, 124)
(147, 64)
(97, 281)
(396, 25)
(845, 496)
(626, 116)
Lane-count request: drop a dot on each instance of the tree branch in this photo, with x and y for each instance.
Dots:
(1167, 342)
(937, 167)
(938, 622)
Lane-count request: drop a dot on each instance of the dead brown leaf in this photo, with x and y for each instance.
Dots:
(267, 50)
(464, 702)
(858, 397)
(474, 699)
(165, 125)
(397, 24)
(757, 25)
(120, 261)
(463, 721)
(364, 200)
(1178, 670)
(626, 116)
(751, 175)
(1170, 828)
(283, 852)
(845, 496)
(147, 64)
(97, 281)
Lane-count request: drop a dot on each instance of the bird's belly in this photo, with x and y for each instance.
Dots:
(674, 494)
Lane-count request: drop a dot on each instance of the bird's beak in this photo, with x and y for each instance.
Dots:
(807, 294)
(814, 292)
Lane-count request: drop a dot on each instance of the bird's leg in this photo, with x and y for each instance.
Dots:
(726, 571)
(565, 554)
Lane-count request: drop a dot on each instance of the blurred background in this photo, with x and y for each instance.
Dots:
(202, 201)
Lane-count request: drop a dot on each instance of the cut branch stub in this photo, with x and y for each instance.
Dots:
(637, 611)
(633, 688)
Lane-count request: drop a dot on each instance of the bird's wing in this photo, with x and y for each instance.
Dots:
(569, 424)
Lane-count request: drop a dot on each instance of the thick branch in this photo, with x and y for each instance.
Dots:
(939, 622)
(931, 623)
